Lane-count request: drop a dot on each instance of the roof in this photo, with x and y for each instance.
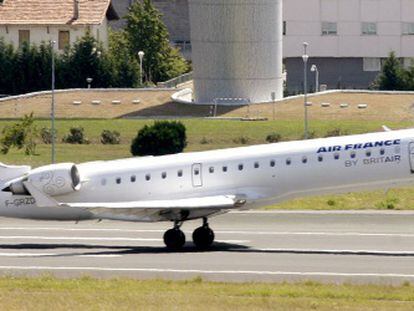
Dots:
(55, 12)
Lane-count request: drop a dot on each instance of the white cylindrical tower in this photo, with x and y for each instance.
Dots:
(236, 49)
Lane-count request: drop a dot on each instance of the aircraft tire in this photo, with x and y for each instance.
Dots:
(203, 237)
(174, 239)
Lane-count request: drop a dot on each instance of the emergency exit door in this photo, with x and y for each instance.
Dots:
(411, 155)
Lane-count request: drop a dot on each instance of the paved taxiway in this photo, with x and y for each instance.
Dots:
(251, 246)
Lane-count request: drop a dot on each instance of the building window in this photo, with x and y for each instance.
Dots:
(64, 39)
(284, 28)
(408, 28)
(369, 28)
(372, 64)
(329, 29)
(24, 37)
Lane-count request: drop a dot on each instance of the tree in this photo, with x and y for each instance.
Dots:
(391, 76)
(20, 135)
(125, 68)
(7, 68)
(159, 139)
(146, 32)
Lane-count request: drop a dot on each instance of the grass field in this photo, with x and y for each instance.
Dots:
(213, 134)
(48, 293)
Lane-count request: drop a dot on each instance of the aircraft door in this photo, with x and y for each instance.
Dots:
(196, 175)
(411, 153)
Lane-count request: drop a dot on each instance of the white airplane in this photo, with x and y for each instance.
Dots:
(199, 185)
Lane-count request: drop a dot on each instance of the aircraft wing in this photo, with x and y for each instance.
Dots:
(211, 203)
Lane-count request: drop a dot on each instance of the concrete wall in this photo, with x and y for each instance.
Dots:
(334, 72)
(236, 49)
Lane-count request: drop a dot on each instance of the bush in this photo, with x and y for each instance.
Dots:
(20, 135)
(76, 136)
(242, 140)
(336, 132)
(110, 137)
(159, 139)
(205, 141)
(311, 135)
(46, 135)
(273, 138)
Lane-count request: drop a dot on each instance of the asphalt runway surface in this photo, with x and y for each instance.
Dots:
(357, 247)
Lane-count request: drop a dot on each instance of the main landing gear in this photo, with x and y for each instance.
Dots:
(203, 237)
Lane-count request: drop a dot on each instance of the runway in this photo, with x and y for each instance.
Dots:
(358, 247)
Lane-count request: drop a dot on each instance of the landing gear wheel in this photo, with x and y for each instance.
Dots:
(174, 239)
(203, 237)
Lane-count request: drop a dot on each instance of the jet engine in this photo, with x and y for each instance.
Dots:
(53, 180)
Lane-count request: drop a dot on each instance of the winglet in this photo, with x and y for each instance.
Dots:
(386, 128)
(42, 200)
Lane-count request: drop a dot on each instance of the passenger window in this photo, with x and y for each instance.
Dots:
(368, 153)
(304, 160)
(196, 172)
(256, 165)
(240, 167)
(118, 180)
(103, 182)
(211, 170)
(382, 151)
(164, 175)
(353, 155)
(224, 169)
(336, 156)
(180, 173)
(272, 163)
(320, 158)
(148, 177)
(288, 161)
(133, 178)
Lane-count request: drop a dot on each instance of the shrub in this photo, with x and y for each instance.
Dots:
(336, 132)
(311, 135)
(205, 141)
(20, 135)
(46, 135)
(76, 136)
(110, 137)
(161, 138)
(273, 138)
(242, 140)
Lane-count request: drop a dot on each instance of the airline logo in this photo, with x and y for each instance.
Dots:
(361, 146)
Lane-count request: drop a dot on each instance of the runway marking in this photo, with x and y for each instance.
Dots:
(29, 237)
(337, 251)
(210, 272)
(310, 233)
(55, 254)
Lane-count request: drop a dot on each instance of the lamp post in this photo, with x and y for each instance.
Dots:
(52, 115)
(89, 81)
(314, 69)
(141, 58)
(305, 58)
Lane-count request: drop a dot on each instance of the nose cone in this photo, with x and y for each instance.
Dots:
(7, 189)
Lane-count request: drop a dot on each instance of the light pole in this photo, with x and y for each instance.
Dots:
(305, 58)
(89, 81)
(314, 69)
(141, 58)
(52, 115)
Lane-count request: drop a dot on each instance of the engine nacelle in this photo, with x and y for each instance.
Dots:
(53, 180)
